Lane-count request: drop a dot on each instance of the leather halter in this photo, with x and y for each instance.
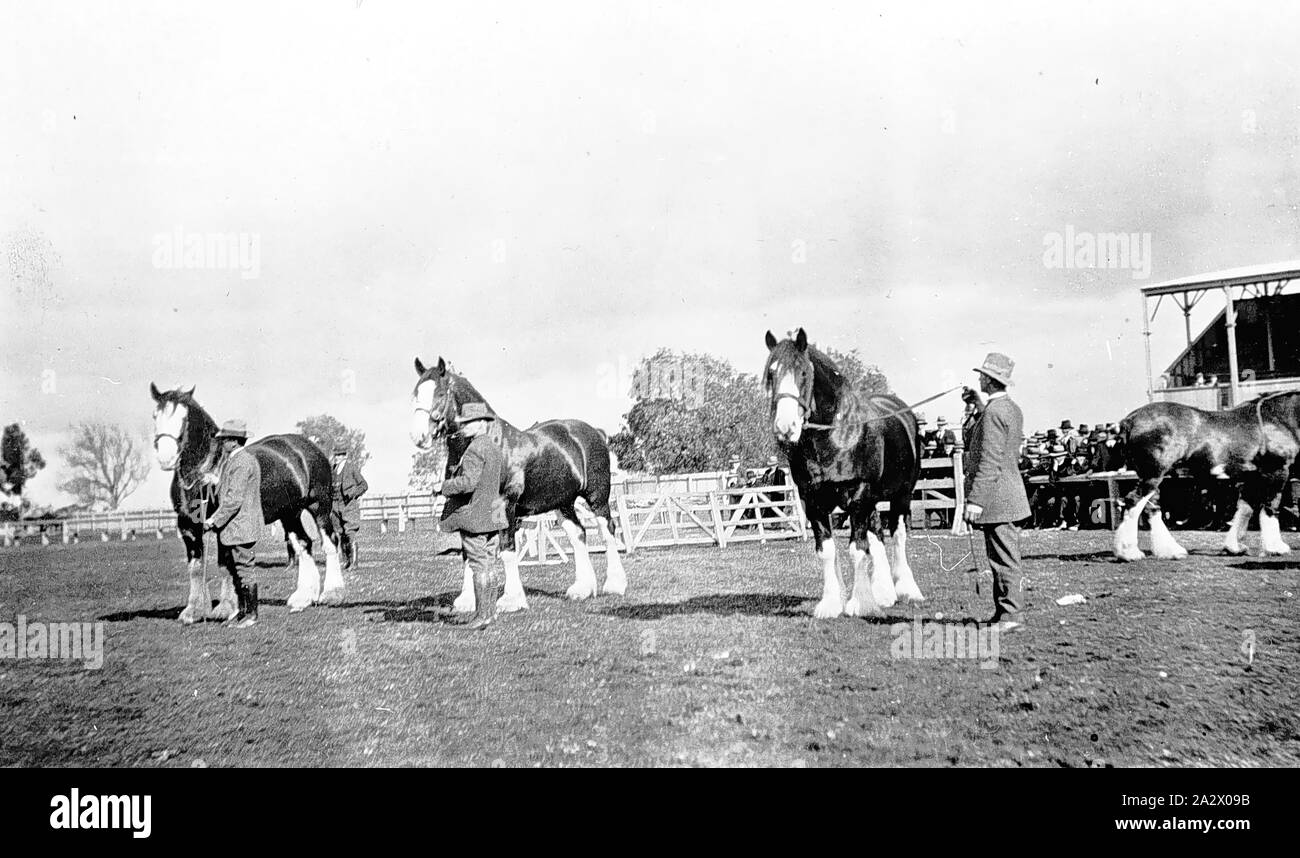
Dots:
(807, 406)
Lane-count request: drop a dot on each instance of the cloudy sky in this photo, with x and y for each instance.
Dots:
(545, 193)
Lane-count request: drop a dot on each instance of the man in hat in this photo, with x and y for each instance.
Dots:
(349, 486)
(238, 519)
(995, 494)
(945, 440)
(476, 508)
(1069, 439)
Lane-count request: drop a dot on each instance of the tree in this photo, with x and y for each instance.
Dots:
(19, 462)
(865, 378)
(694, 412)
(323, 430)
(428, 467)
(107, 464)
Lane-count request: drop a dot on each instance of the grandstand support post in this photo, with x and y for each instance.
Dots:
(1230, 322)
(1146, 340)
(401, 516)
(716, 511)
(65, 536)
(959, 525)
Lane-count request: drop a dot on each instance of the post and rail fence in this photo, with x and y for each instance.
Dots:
(651, 511)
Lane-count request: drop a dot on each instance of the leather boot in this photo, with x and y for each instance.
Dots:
(485, 605)
(247, 606)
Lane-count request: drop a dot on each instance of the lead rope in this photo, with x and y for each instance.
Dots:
(203, 535)
(894, 413)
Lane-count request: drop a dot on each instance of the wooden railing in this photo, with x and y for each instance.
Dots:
(680, 509)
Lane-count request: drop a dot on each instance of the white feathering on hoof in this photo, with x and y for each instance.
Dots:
(862, 603)
(882, 579)
(308, 590)
(832, 603)
(1270, 534)
(904, 583)
(1126, 535)
(1232, 541)
(615, 576)
(513, 599)
(584, 584)
(465, 603)
(1163, 544)
(333, 593)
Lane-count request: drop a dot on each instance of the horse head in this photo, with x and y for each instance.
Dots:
(433, 404)
(789, 378)
(171, 421)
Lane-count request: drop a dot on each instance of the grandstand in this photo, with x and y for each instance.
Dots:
(1251, 347)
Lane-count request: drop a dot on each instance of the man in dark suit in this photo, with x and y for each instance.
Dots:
(349, 486)
(238, 519)
(476, 508)
(995, 494)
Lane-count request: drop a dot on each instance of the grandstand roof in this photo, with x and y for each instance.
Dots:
(1250, 275)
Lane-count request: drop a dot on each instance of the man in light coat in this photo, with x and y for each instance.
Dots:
(995, 493)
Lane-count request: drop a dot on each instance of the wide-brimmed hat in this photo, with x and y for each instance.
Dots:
(772, 460)
(234, 429)
(1066, 424)
(942, 421)
(472, 411)
(1052, 433)
(998, 367)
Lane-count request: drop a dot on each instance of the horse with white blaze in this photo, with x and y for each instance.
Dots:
(296, 491)
(549, 467)
(851, 452)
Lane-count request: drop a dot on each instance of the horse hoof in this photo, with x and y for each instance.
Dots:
(511, 604)
(221, 613)
(579, 592)
(854, 608)
(463, 605)
(827, 610)
(331, 597)
(615, 588)
(188, 617)
(1129, 554)
(1233, 552)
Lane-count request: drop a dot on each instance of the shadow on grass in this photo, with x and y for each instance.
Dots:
(725, 604)
(1267, 565)
(1081, 557)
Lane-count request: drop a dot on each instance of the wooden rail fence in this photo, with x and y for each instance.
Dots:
(676, 509)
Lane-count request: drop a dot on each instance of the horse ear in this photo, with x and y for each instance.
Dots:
(770, 340)
(153, 390)
(420, 368)
(442, 366)
(189, 394)
(801, 341)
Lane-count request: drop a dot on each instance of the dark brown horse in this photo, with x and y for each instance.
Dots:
(296, 492)
(1254, 444)
(848, 452)
(549, 467)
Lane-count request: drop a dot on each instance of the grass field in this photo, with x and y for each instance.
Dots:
(712, 658)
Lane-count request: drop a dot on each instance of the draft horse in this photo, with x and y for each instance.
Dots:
(850, 452)
(549, 466)
(296, 492)
(1255, 444)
